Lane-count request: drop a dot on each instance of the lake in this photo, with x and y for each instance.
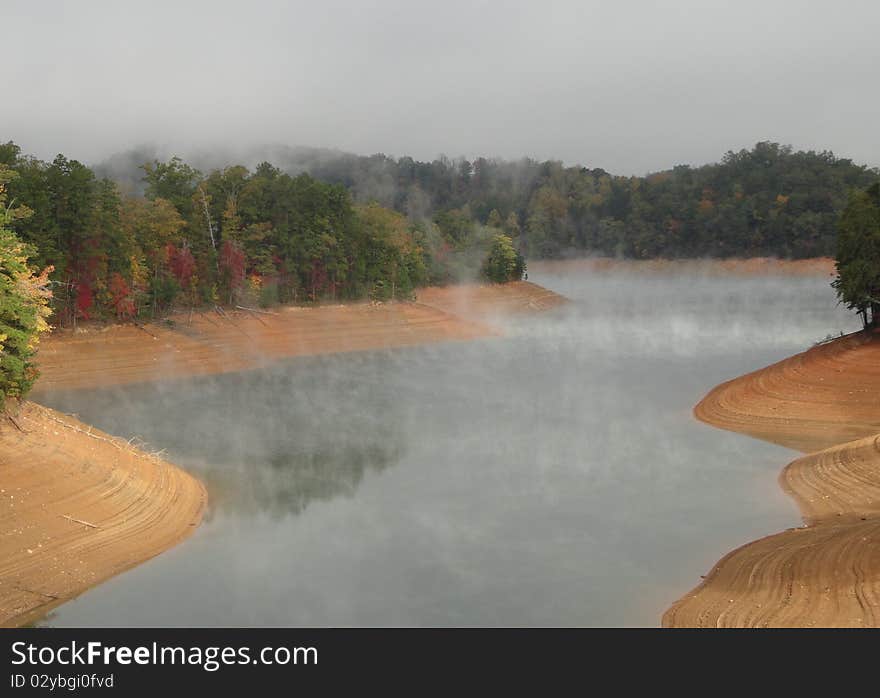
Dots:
(554, 476)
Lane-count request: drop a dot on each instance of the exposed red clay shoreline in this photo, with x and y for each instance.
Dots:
(824, 401)
(752, 266)
(487, 301)
(209, 342)
(78, 506)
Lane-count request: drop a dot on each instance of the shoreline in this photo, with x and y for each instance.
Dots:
(78, 506)
(208, 343)
(75, 504)
(827, 573)
(732, 266)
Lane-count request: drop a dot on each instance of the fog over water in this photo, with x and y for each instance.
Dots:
(553, 476)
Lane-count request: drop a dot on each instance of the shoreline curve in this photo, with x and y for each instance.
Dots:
(823, 402)
(78, 506)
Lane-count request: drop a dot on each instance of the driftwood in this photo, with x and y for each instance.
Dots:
(222, 313)
(79, 521)
(254, 310)
(828, 339)
(253, 315)
(16, 424)
(144, 329)
(36, 593)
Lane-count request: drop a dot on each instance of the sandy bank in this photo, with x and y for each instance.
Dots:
(813, 400)
(209, 343)
(753, 266)
(78, 506)
(483, 302)
(823, 401)
(213, 343)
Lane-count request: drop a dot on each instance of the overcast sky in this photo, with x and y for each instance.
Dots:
(628, 85)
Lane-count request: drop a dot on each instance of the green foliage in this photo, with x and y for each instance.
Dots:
(393, 259)
(23, 302)
(163, 290)
(265, 237)
(268, 295)
(503, 263)
(767, 201)
(357, 227)
(858, 254)
(174, 181)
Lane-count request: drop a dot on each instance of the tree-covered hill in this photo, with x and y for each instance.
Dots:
(767, 201)
(227, 237)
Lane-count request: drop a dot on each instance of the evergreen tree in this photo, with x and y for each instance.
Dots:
(858, 254)
(503, 263)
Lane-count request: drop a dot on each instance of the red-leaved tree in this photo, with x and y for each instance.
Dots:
(182, 264)
(232, 266)
(121, 297)
(85, 299)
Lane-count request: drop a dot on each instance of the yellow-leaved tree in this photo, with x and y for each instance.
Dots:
(24, 301)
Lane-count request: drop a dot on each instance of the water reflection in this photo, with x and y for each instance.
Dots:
(268, 441)
(554, 476)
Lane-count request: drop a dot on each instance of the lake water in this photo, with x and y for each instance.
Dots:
(553, 476)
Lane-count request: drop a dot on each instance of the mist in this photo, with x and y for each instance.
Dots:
(550, 476)
(631, 87)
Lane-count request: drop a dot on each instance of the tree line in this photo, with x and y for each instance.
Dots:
(769, 200)
(231, 236)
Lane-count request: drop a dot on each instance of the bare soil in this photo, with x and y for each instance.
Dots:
(825, 402)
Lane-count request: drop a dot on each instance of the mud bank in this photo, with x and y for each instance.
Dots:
(212, 342)
(78, 506)
(752, 266)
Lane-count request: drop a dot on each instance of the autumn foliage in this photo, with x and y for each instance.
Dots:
(24, 301)
(232, 266)
(121, 297)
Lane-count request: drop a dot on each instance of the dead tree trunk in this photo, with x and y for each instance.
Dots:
(210, 225)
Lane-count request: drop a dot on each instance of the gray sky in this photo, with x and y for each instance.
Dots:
(628, 85)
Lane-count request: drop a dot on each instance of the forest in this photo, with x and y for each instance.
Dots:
(137, 235)
(233, 236)
(767, 201)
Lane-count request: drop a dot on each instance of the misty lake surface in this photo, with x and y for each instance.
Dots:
(554, 476)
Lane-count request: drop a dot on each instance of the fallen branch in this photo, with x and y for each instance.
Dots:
(79, 521)
(222, 313)
(37, 593)
(255, 317)
(16, 424)
(254, 310)
(144, 329)
(121, 444)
